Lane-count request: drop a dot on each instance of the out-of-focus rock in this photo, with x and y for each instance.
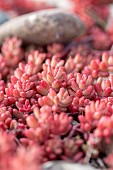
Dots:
(3, 17)
(61, 165)
(43, 27)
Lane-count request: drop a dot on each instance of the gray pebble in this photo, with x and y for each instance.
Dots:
(43, 27)
(3, 17)
(109, 24)
(62, 165)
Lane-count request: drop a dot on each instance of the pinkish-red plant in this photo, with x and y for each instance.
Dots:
(56, 101)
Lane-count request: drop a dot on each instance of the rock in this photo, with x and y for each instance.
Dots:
(65, 4)
(61, 165)
(43, 27)
(3, 17)
(109, 25)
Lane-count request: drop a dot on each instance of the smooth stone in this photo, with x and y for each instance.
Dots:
(62, 165)
(109, 24)
(43, 27)
(3, 17)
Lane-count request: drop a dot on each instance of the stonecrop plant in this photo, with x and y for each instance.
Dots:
(56, 101)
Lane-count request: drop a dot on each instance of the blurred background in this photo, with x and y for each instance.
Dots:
(24, 6)
(89, 10)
